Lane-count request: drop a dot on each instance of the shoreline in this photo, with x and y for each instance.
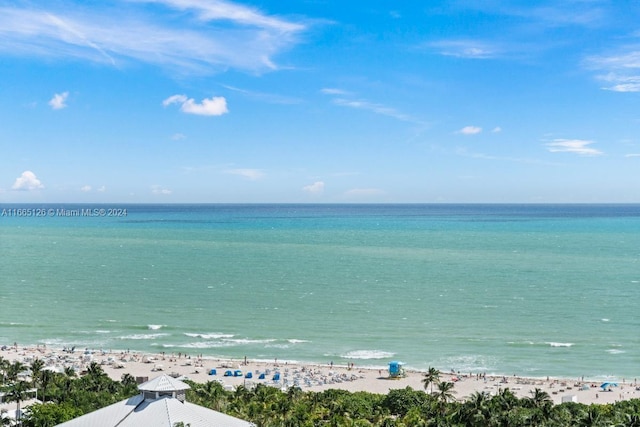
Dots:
(315, 377)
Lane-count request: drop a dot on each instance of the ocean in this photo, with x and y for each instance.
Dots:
(531, 290)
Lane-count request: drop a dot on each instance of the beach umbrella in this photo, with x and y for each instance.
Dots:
(606, 385)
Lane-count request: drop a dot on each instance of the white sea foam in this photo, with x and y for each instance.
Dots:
(202, 345)
(367, 354)
(294, 341)
(281, 346)
(605, 320)
(470, 363)
(615, 351)
(209, 336)
(242, 341)
(142, 336)
(560, 344)
(155, 327)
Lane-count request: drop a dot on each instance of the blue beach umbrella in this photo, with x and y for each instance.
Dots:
(605, 386)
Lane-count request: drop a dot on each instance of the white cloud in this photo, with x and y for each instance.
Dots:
(496, 129)
(174, 99)
(315, 188)
(333, 91)
(622, 83)
(224, 10)
(85, 188)
(59, 100)
(251, 174)
(622, 70)
(207, 37)
(215, 106)
(472, 49)
(157, 189)
(377, 109)
(271, 98)
(27, 182)
(577, 146)
(101, 189)
(368, 106)
(178, 136)
(470, 130)
(632, 155)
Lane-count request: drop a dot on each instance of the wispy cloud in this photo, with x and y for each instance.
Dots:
(270, 98)
(315, 188)
(159, 190)
(215, 10)
(59, 101)
(620, 71)
(576, 146)
(345, 99)
(210, 36)
(215, 106)
(373, 107)
(473, 49)
(27, 181)
(250, 174)
(333, 91)
(470, 130)
(483, 156)
(547, 14)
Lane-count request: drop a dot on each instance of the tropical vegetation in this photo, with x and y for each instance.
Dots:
(66, 395)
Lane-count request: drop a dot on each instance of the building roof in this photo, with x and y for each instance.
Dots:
(163, 383)
(163, 411)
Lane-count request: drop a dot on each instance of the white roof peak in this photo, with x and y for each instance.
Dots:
(163, 383)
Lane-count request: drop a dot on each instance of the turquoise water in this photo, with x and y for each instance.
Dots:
(510, 289)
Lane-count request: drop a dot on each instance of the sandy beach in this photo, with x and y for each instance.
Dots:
(311, 377)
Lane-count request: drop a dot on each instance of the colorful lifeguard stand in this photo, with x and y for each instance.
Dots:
(396, 370)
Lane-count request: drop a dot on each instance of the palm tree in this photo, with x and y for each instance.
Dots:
(445, 394)
(96, 376)
(592, 417)
(13, 370)
(476, 410)
(4, 420)
(4, 366)
(17, 393)
(632, 420)
(539, 398)
(36, 369)
(70, 372)
(431, 377)
(212, 394)
(45, 378)
(505, 399)
(36, 373)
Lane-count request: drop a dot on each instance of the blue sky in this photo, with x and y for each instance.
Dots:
(319, 101)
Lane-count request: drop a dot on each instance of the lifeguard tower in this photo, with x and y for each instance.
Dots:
(396, 370)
